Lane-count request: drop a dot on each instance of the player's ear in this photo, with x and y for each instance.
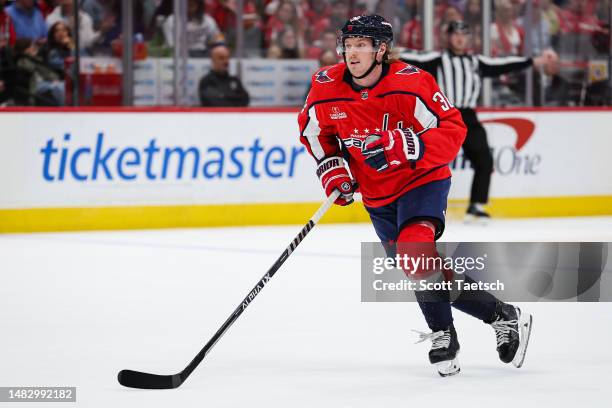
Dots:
(381, 52)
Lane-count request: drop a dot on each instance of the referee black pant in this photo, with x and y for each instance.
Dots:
(476, 149)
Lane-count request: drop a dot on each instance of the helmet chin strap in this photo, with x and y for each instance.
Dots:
(369, 71)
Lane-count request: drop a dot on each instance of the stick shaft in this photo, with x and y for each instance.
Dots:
(260, 285)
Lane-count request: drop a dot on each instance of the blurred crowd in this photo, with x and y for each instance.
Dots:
(37, 44)
(553, 22)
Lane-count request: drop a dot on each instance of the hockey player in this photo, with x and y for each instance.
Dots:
(459, 74)
(398, 132)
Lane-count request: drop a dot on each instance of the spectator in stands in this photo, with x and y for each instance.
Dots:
(98, 10)
(4, 80)
(60, 46)
(326, 42)
(583, 40)
(317, 14)
(7, 31)
(339, 13)
(27, 20)
(7, 39)
(36, 83)
(218, 87)
(578, 17)
(328, 58)
(411, 34)
(148, 10)
(224, 13)
(65, 12)
(538, 31)
(46, 6)
(287, 46)
(286, 17)
(202, 30)
(405, 11)
(270, 7)
(506, 34)
(316, 9)
(472, 15)
(157, 45)
(109, 40)
(550, 12)
(253, 35)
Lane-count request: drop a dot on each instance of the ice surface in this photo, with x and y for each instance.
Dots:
(75, 308)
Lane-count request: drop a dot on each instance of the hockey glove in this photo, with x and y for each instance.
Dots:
(392, 148)
(334, 175)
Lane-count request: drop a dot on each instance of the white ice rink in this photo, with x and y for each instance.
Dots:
(75, 308)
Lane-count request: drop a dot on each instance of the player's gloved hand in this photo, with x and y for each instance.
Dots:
(334, 175)
(392, 148)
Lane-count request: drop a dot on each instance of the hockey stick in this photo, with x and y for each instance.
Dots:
(137, 379)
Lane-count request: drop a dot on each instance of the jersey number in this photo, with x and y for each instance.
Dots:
(445, 103)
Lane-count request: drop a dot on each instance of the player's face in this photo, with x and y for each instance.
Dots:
(359, 54)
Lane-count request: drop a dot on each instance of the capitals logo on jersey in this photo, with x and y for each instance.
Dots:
(409, 70)
(322, 77)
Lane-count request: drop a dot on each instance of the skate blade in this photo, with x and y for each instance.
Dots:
(448, 368)
(525, 324)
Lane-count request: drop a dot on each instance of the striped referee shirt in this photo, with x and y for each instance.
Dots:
(460, 76)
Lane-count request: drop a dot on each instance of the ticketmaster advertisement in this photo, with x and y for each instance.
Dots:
(97, 159)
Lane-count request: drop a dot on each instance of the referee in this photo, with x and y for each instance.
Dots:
(459, 74)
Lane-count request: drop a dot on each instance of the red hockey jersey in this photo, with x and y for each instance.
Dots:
(337, 118)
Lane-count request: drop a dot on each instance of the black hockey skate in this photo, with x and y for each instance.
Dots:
(444, 350)
(512, 330)
(476, 214)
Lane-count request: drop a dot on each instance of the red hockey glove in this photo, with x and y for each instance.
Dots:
(392, 148)
(334, 175)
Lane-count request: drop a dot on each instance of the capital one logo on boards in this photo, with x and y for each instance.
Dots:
(508, 159)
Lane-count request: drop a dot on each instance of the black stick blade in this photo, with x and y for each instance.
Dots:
(136, 379)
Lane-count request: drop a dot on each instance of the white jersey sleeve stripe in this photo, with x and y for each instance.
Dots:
(312, 132)
(425, 117)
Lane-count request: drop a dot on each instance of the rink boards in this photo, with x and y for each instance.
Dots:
(101, 169)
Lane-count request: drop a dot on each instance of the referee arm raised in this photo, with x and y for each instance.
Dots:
(459, 75)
